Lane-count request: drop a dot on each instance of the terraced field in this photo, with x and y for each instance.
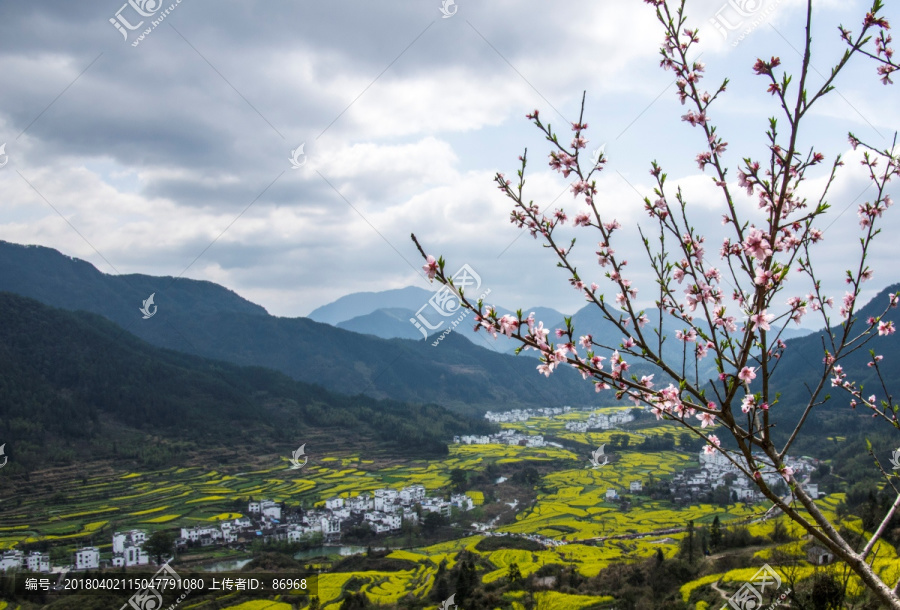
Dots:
(570, 506)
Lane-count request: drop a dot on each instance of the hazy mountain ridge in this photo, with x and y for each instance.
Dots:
(363, 303)
(384, 320)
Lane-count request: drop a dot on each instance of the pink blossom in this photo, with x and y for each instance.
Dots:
(761, 320)
(694, 119)
(757, 244)
(713, 443)
(539, 334)
(886, 328)
(560, 354)
(430, 267)
(747, 374)
(703, 159)
(786, 472)
(612, 226)
(848, 301)
(508, 325)
(580, 187)
(687, 337)
(748, 402)
(604, 254)
(763, 277)
(706, 419)
(487, 324)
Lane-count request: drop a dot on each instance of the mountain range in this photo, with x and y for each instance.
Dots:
(74, 386)
(384, 315)
(209, 321)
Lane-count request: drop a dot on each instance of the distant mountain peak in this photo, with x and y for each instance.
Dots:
(360, 304)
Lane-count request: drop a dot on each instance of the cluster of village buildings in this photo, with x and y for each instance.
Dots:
(384, 511)
(127, 550)
(517, 415)
(600, 421)
(716, 470)
(505, 437)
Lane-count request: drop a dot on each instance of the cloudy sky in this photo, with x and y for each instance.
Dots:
(170, 155)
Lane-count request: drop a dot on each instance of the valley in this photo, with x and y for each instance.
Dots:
(539, 513)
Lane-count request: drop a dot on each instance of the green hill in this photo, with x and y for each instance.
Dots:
(207, 320)
(75, 386)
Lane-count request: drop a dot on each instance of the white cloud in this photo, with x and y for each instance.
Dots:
(151, 155)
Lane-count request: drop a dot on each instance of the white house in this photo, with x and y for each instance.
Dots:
(133, 556)
(270, 509)
(360, 503)
(385, 498)
(11, 560)
(462, 501)
(200, 531)
(380, 527)
(436, 505)
(296, 532)
(812, 489)
(611, 494)
(122, 539)
(330, 527)
(410, 515)
(716, 458)
(87, 558)
(253, 507)
(334, 503)
(128, 549)
(636, 486)
(743, 493)
(38, 562)
(413, 493)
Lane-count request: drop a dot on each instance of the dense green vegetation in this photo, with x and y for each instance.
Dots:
(73, 386)
(208, 320)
